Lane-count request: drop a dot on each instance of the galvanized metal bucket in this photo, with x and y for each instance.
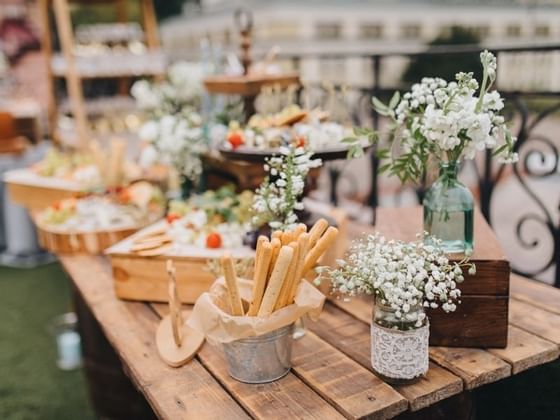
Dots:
(261, 359)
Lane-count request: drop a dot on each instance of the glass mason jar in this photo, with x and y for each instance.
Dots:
(399, 349)
(448, 211)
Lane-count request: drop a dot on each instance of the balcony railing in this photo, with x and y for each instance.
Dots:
(531, 206)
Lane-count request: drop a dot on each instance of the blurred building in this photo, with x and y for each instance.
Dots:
(352, 27)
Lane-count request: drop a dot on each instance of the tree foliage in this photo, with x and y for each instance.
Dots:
(446, 66)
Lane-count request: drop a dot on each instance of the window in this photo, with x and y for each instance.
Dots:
(410, 31)
(279, 30)
(542, 30)
(480, 32)
(513, 31)
(371, 30)
(328, 30)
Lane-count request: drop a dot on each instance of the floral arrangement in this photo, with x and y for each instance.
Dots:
(279, 196)
(181, 88)
(449, 121)
(401, 275)
(173, 132)
(175, 140)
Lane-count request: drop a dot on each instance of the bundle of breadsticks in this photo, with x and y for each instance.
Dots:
(281, 263)
(236, 308)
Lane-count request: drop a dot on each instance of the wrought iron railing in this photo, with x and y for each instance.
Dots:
(537, 228)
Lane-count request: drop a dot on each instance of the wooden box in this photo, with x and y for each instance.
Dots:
(145, 278)
(481, 320)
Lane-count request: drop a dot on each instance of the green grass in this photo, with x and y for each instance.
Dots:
(31, 385)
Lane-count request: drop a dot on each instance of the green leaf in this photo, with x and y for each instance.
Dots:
(354, 151)
(384, 168)
(378, 105)
(395, 100)
(362, 131)
(499, 150)
(385, 112)
(349, 140)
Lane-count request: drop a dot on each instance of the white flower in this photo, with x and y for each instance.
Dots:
(148, 157)
(149, 131)
(404, 276)
(145, 96)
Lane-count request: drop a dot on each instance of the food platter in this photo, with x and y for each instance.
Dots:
(259, 156)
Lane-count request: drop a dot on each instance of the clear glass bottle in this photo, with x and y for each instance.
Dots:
(399, 353)
(448, 211)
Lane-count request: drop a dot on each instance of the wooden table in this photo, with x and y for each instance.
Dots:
(331, 376)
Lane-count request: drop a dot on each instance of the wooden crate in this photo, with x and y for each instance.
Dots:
(481, 319)
(145, 278)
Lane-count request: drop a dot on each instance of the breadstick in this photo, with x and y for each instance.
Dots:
(319, 249)
(303, 242)
(276, 245)
(276, 234)
(276, 280)
(300, 228)
(290, 278)
(316, 231)
(262, 239)
(234, 298)
(259, 280)
(286, 238)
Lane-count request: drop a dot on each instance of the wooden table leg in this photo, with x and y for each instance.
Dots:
(460, 407)
(111, 392)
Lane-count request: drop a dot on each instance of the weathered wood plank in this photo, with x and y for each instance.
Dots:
(189, 392)
(475, 366)
(352, 337)
(288, 397)
(525, 350)
(354, 390)
(535, 320)
(536, 293)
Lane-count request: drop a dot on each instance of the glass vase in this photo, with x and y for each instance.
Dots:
(399, 349)
(448, 211)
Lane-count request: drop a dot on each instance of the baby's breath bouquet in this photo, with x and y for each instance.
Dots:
(403, 276)
(279, 196)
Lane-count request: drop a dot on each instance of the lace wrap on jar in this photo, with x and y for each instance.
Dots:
(400, 354)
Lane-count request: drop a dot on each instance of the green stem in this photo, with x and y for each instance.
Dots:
(482, 89)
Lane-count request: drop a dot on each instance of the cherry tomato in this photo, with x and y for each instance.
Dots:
(213, 240)
(300, 141)
(235, 139)
(124, 196)
(171, 217)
